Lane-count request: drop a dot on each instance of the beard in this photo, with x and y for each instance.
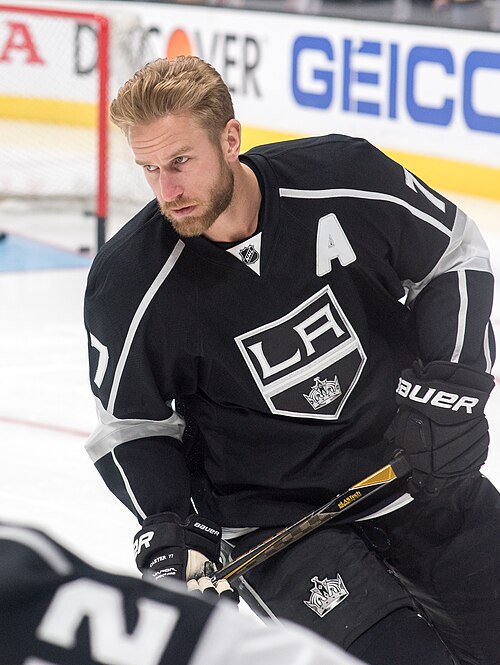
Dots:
(219, 198)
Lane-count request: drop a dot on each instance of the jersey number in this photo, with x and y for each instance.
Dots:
(415, 185)
(102, 363)
(110, 642)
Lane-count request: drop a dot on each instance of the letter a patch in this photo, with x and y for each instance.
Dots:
(332, 243)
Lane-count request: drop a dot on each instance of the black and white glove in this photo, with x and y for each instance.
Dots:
(440, 423)
(188, 551)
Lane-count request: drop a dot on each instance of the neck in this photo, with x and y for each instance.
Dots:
(239, 221)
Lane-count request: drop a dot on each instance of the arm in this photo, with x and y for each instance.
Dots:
(137, 445)
(452, 304)
(443, 263)
(418, 244)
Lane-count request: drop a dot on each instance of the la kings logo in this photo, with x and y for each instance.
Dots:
(326, 594)
(306, 363)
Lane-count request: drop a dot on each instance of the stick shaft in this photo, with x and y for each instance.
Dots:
(396, 468)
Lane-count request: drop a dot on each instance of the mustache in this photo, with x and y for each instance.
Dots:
(178, 203)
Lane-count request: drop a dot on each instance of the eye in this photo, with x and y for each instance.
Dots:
(180, 160)
(150, 168)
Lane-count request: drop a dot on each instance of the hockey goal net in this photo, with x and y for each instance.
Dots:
(58, 70)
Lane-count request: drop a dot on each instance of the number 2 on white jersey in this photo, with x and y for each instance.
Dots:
(109, 640)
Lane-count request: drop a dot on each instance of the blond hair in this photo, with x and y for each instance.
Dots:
(186, 84)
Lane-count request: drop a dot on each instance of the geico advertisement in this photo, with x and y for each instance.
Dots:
(435, 90)
(407, 88)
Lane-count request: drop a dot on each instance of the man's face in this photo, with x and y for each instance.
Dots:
(187, 172)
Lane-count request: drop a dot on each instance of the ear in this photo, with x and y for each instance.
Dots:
(231, 140)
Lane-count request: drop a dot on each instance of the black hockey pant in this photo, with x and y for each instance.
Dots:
(359, 586)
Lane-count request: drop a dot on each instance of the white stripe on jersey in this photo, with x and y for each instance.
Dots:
(128, 487)
(40, 545)
(111, 431)
(360, 194)
(462, 316)
(144, 304)
(487, 350)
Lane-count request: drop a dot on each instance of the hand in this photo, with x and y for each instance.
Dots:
(166, 547)
(440, 423)
(219, 589)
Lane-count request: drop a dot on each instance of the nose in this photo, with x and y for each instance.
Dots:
(170, 188)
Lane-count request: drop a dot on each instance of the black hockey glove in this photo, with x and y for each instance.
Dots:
(167, 547)
(440, 423)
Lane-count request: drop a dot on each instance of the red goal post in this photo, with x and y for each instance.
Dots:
(54, 124)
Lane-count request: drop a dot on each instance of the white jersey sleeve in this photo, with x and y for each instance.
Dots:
(233, 637)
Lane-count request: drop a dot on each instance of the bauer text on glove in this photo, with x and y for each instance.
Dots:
(167, 547)
(440, 422)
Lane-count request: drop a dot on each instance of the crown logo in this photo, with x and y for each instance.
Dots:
(326, 594)
(323, 392)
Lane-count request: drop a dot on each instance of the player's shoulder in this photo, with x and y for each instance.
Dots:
(135, 252)
(131, 238)
(25, 551)
(297, 146)
(307, 162)
(321, 145)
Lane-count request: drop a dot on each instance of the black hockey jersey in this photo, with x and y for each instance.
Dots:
(55, 609)
(284, 350)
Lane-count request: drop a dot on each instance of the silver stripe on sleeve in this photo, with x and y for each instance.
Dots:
(462, 316)
(466, 251)
(361, 194)
(111, 431)
(487, 349)
(40, 545)
(144, 304)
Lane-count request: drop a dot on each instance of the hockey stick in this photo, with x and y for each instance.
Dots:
(396, 468)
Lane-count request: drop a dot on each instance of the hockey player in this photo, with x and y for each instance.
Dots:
(55, 608)
(268, 331)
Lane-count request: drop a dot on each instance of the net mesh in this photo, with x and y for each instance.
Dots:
(49, 108)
